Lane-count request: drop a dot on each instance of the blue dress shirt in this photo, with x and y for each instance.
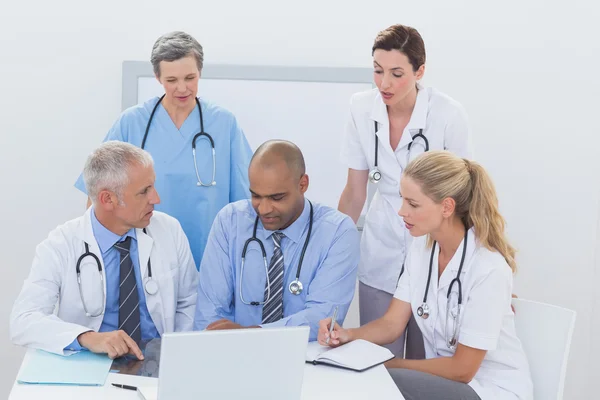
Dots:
(328, 271)
(112, 260)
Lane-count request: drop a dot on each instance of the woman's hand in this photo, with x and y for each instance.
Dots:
(339, 335)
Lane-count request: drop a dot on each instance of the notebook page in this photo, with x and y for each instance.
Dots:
(314, 350)
(358, 354)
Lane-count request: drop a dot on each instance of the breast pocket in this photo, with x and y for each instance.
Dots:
(167, 279)
(171, 276)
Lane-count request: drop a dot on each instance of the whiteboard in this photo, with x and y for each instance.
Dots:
(307, 106)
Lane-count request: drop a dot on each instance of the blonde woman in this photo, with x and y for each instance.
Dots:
(457, 282)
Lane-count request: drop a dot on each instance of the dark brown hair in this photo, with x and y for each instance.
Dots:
(406, 40)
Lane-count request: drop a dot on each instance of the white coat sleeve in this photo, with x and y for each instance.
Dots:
(353, 154)
(457, 135)
(188, 282)
(32, 320)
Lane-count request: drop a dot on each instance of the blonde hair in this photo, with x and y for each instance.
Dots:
(442, 174)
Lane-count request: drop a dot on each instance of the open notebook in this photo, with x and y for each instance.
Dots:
(357, 355)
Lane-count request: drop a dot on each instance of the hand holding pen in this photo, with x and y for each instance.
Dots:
(331, 333)
(332, 324)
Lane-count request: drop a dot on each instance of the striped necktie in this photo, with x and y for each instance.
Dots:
(273, 307)
(129, 310)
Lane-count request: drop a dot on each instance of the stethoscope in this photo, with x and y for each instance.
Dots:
(423, 310)
(295, 287)
(199, 134)
(375, 174)
(150, 285)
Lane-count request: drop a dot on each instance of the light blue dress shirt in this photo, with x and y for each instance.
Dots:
(328, 271)
(194, 207)
(112, 261)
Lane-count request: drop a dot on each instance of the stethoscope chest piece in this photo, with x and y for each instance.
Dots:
(452, 343)
(374, 175)
(423, 311)
(151, 286)
(213, 183)
(296, 287)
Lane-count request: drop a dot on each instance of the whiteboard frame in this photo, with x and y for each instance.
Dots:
(134, 70)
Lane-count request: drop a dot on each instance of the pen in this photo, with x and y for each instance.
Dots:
(332, 324)
(124, 386)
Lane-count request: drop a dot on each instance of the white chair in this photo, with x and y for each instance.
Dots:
(545, 332)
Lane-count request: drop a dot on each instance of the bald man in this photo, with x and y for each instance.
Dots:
(273, 289)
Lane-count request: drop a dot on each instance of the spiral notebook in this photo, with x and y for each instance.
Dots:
(358, 355)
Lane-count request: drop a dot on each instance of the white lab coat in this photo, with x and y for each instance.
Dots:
(49, 314)
(486, 321)
(384, 238)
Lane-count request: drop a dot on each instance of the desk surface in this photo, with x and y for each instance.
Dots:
(320, 382)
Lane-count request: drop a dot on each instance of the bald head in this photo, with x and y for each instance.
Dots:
(274, 153)
(277, 183)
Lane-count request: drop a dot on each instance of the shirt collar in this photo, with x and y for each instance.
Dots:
(379, 110)
(418, 117)
(106, 238)
(296, 229)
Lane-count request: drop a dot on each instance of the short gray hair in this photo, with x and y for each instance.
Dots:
(107, 167)
(174, 46)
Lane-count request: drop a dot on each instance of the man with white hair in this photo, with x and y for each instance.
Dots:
(120, 274)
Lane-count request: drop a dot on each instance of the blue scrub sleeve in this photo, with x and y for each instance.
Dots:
(241, 153)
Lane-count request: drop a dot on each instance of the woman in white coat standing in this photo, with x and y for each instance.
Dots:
(389, 126)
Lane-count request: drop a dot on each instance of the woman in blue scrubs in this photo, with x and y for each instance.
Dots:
(177, 60)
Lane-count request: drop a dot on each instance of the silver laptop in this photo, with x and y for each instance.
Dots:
(265, 363)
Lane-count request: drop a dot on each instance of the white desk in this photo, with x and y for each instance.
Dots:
(320, 382)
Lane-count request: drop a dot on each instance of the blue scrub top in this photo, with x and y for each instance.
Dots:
(194, 206)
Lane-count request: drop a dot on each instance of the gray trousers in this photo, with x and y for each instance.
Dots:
(372, 304)
(417, 385)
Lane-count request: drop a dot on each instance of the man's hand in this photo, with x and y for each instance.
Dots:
(223, 324)
(115, 344)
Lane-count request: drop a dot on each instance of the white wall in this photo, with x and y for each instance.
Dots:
(526, 70)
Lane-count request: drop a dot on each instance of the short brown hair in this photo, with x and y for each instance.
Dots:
(406, 40)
